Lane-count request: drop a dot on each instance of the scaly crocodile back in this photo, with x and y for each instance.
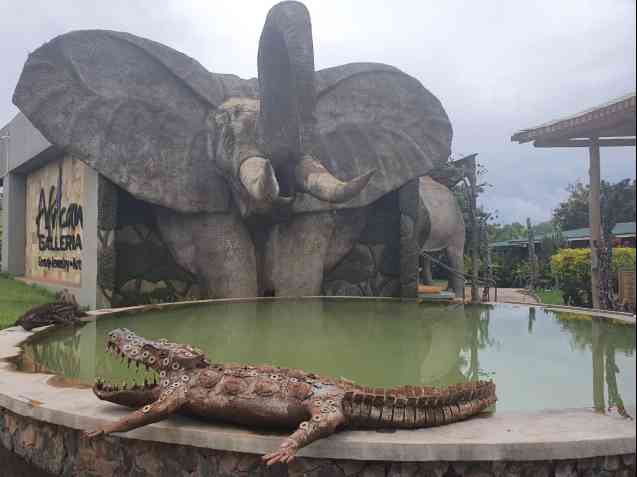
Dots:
(415, 406)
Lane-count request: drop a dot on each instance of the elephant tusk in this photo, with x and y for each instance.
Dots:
(258, 177)
(313, 178)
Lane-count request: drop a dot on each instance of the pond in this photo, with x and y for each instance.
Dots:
(539, 359)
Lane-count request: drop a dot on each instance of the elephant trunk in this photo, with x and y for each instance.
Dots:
(312, 177)
(287, 112)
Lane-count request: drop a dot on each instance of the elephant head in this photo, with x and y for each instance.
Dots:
(157, 124)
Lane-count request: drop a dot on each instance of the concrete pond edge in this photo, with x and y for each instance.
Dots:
(563, 434)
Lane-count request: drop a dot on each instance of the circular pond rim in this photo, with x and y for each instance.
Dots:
(551, 434)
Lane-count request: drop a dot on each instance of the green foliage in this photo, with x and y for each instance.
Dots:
(550, 297)
(544, 228)
(572, 268)
(617, 203)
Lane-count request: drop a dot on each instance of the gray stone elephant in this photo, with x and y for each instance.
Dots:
(257, 186)
(447, 230)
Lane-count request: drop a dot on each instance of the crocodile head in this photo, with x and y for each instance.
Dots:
(158, 356)
(161, 357)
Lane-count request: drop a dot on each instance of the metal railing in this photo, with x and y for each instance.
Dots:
(484, 282)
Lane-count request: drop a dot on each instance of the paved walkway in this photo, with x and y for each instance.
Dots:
(507, 295)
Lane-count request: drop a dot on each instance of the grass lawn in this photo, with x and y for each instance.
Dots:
(17, 297)
(550, 297)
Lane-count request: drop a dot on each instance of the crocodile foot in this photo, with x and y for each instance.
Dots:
(285, 454)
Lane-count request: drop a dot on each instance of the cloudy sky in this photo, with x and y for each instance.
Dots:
(497, 66)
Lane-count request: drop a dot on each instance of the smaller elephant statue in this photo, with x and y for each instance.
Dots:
(447, 230)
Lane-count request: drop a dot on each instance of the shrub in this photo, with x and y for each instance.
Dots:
(572, 268)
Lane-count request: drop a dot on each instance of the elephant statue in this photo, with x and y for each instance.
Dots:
(257, 186)
(447, 230)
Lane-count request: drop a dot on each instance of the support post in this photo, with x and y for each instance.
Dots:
(475, 236)
(13, 216)
(594, 218)
(598, 340)
(532, 260)
(408, 200)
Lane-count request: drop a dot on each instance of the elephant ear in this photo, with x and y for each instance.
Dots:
(135, 110)
(373, 116)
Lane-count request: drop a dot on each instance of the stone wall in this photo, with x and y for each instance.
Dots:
(146, 271)
(61, 451)
(372, 267)
(49, 247)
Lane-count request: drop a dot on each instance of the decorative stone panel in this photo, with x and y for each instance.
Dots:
(146, 271)
(372, 267)
(106, 225)
(54, 222)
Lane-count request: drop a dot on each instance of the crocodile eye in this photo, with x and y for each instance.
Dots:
(294, 380)
(146, 409)
(129, 336)
(274, 377)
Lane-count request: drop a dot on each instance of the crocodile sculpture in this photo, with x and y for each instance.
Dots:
(273, 397)
(64, 311)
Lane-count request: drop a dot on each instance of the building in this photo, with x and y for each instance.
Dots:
(623, 235)
(611, 124)
(49, 214)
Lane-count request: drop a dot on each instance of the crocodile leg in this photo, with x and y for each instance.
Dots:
(327, 415)
(154, 412)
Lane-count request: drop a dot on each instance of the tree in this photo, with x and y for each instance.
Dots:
(618, 204)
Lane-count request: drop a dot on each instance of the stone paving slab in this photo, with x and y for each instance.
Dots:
(558, 434)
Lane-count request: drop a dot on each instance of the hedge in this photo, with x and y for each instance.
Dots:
(572, 268)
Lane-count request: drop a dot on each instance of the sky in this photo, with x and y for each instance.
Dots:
(496, 66)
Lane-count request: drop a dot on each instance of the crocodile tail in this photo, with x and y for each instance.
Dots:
(416, 406)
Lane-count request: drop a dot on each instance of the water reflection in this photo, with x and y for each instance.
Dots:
(538, 358)
(606, 343)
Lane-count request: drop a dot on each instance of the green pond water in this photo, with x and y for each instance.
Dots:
(539, 359)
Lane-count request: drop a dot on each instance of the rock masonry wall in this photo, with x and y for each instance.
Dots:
(62, 451)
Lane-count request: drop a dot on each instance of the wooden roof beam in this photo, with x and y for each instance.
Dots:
(610, 142)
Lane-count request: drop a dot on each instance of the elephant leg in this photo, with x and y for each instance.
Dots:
(295, 255)
(426, 277)
(215, 247)
(455, 256)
